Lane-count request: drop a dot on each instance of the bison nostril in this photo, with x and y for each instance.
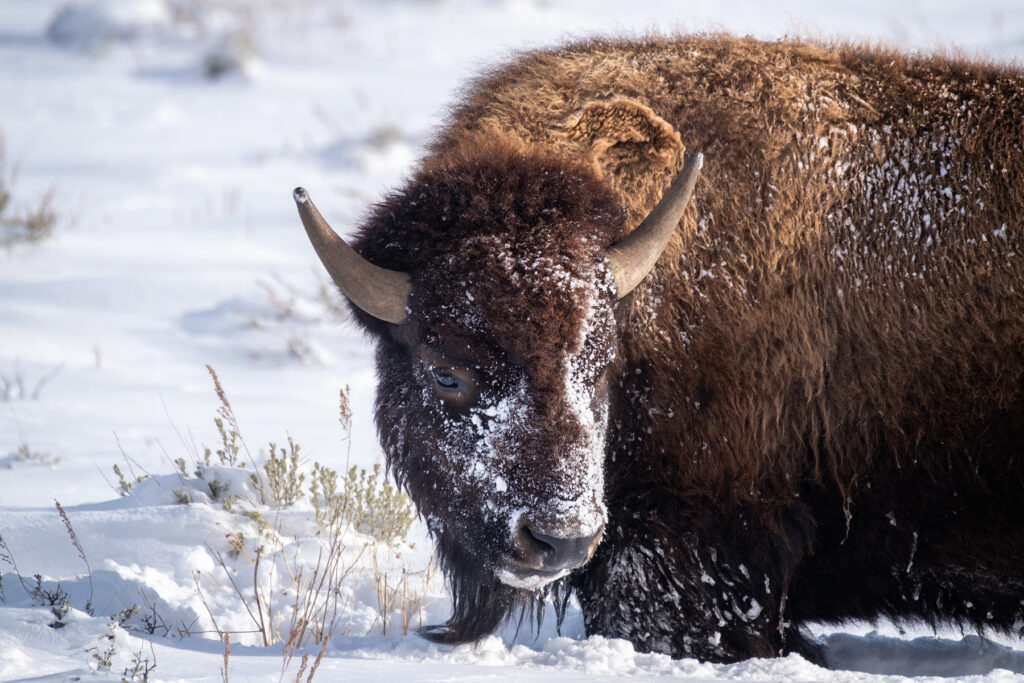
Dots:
(538, 542)
(555, 552)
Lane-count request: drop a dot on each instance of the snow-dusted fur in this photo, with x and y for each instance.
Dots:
(811, 410)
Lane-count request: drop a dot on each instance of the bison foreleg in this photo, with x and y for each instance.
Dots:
(718, 594)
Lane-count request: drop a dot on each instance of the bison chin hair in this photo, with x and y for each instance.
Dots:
(481, 603)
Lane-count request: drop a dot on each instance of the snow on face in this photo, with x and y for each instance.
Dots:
(531, 582)
(529, 449)
(583, 365)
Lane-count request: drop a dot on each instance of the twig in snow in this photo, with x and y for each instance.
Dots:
(81, 552)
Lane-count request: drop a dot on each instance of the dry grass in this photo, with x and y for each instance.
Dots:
(30, 224)
(81, 551)
(15, 387)
(360, 520)
(55, 598)
(27, 455)
(402, 591)
(296, 311)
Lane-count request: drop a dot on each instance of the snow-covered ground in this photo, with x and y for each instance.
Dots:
(171, 133)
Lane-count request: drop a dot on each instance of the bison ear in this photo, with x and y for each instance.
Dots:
(626, 143)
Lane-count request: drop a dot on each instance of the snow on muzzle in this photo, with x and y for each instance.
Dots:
(551, 543)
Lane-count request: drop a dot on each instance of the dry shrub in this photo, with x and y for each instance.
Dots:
(31, 224)
(357, 515)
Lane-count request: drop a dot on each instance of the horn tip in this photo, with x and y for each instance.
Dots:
(300, 195)
(698, 160)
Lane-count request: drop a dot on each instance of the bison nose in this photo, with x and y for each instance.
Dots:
(556, 552)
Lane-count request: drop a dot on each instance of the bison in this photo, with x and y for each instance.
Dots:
(798, 397)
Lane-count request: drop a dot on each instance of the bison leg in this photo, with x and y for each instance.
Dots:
(718, 595)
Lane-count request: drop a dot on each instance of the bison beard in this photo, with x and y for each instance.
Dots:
(480, 603)
(809, 410)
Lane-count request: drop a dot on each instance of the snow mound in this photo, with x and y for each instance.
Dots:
(274, 332)
(94, 24)
(924, 656)
(385, 147)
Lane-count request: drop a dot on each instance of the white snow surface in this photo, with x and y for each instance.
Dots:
(172, 133)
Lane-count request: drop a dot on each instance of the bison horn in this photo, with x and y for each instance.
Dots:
(633, 257)
(382, 293)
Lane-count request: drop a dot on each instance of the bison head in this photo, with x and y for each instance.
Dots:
(490, 283)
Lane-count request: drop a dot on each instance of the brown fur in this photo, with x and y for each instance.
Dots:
(823, 379)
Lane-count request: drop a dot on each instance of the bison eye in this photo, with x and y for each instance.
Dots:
(445, 380)
(455, 384)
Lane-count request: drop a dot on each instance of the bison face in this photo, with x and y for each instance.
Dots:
(493, 409)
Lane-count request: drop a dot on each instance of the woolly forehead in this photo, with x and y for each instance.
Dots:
(531, 299)
(502, 245)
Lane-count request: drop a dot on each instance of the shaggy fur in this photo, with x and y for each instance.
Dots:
(817, 397)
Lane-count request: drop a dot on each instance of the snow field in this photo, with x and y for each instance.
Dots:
(172, 133)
